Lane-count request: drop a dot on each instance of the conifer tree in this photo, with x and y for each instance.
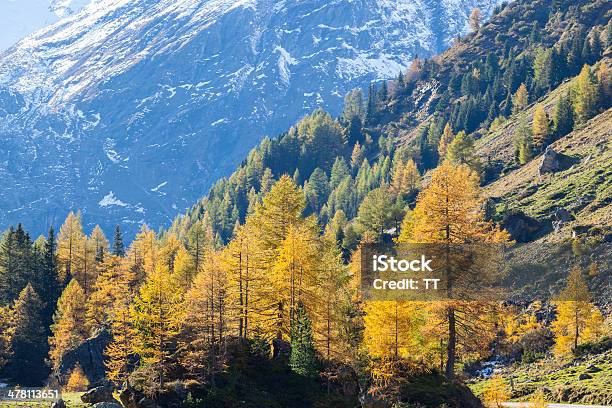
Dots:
(578, 320)
(281, 208)
(49, 286)
(496, 392)
(332, 300)
(316, 191)
(245, 277)
(406, 178)
(199, 241)
(155, 316)
(69, 242)
(585, 95)
(18, 264)
(520, 99)
(99, 244)
(563, 116)
(113, 289)
(353, 105)
(339, 172)
(303, 360)
(28, 340)
(77, 380)
(541, 128)
(293, 276)
(357, 157)
(378, 212)
(69, 327)
(119, 351)
(118, 248)
(392, 328)
(449, 212)
(461, 151)
(6, 333)
(206, 321)
(523, 144)
(445, 141)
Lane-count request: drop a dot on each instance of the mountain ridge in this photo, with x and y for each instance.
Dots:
(97, 108)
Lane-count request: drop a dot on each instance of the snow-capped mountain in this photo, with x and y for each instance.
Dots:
(132, 108)
(19, 18)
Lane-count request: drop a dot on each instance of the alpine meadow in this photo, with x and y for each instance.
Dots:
(482, 146)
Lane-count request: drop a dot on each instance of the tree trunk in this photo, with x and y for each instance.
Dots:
(452, 344)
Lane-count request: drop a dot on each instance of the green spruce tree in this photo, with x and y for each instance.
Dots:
(303, 360)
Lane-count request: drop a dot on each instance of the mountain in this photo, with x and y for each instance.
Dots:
(130, 110)
(19, 19)
(469, 89)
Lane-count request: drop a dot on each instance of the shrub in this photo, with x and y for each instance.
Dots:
(77, 381)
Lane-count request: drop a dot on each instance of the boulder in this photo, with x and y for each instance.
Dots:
(132, 398)
(561, 214)
(89, 355)
(59, 404)
(99, 394)
(129, 397)
(521, 227)
(584, 376)
(343, 380)
(552, 162)
(593, 369)
(107, 405)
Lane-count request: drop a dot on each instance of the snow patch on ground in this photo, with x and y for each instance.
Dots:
(110, 200)
(156, 189)
(284, 61)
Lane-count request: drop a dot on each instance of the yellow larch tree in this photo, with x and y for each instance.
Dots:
(281, 207)
(146, 248)
(496, 392)
(578, 320)
(445, 141)
(69, 241)
(406, 178)
(541, 127)
(245, 279)
(114, 289)
(294, 273)
(99, 243)
(206, 321)
(155, 317)
(448, 213)
(332, 298)
(77, 380)
(200, 241)
(585, 95)
(69, 327)
(120, 349)
(392, 328)
(184, 268)
(520, 99)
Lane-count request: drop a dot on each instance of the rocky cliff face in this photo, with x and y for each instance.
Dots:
(130, 109)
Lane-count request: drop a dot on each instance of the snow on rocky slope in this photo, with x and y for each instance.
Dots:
(19, 18)
(130, 109)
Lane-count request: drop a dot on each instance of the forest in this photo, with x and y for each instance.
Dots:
(261, 278)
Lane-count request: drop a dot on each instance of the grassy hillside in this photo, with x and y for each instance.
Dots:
(584, 380)
(585, 189)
